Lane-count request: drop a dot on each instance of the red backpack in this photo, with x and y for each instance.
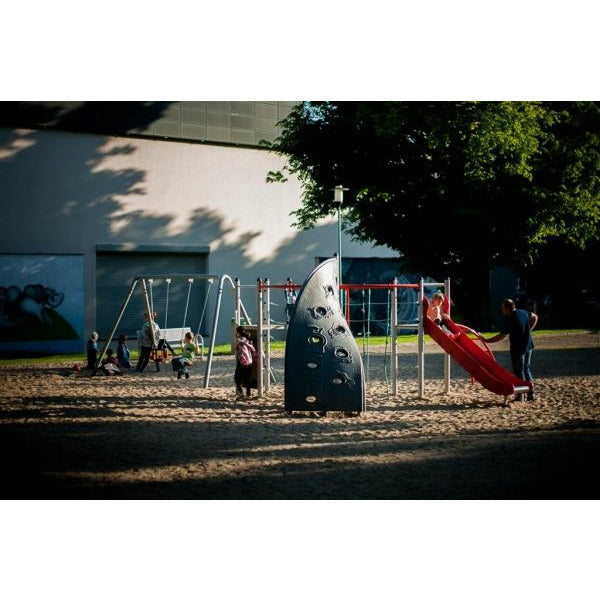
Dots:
(245, 353)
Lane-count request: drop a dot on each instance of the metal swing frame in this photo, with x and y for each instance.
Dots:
(240, 310)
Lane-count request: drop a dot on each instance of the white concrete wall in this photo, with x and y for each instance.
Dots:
(66, 192)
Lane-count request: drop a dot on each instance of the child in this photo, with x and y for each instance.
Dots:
(435, 308)
(244, 357)
(110, 365)
(92, 351)
(189, 350)
(435, 312)
(123, 354)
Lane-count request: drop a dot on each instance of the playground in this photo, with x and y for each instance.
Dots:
(150, 436)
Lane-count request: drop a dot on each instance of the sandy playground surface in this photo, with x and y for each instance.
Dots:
(151, 436)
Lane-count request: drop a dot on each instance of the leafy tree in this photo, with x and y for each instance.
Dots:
(455, 187)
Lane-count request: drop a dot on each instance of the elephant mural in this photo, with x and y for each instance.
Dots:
(30, 304)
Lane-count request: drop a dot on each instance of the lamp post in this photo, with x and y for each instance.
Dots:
(338, 200)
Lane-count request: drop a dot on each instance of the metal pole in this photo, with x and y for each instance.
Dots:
(187, 302)
(338, 200)
(167, 303)
(259, 333)
(238, 302)
(447, 356)
(149, 311)
(213, 335)
(267, 379)
(421, 342)
(114, 328)
(340, 256)
(394, 325)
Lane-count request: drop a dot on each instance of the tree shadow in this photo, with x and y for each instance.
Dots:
(59, 460)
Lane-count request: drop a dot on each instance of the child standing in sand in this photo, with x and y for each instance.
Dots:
(244, 357)
(92, 351)
(189, 350)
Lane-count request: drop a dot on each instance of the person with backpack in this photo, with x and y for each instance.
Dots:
(245, 353)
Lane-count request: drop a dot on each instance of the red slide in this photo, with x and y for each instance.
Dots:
(477, 361)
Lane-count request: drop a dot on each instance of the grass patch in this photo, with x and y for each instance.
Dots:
(225, 349)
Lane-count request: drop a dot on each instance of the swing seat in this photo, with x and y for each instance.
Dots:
(172, 335)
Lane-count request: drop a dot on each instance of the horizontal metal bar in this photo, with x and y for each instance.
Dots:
(179, 276)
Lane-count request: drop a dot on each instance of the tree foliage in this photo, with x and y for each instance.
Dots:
(455, 187)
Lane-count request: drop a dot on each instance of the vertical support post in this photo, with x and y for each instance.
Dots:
(148, 310)
(348, 306)
(238, 302)
(421, 342)
(213, 335)
(259, 333)
(167, 303)
(339, 215)
(116, 324)
(394, 326)
(447, 356)
(267, 313)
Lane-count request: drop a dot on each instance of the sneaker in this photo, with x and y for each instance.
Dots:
(239, 396)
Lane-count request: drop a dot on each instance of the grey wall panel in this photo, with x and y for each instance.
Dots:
(193, 105)
(193, 132)
(218, 119)
(242, 136)
(242, 122)
(242, 108)
(172, 112)
(167, 128)
(267, 136)
(193, 116)
(267, 111)
(218, 134)
(222, 107)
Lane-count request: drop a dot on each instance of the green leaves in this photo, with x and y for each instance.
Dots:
(449, 183)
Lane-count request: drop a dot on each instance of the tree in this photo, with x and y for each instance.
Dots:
(455, 187)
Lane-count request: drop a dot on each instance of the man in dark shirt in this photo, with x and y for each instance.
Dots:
(518, 325)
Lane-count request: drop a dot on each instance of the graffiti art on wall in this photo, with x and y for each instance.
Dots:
(41, 303)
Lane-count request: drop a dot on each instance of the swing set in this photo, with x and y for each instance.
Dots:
(177, 334)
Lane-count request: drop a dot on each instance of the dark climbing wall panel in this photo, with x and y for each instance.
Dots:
(323, 366)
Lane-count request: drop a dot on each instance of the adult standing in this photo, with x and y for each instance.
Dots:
(518, 325)
(147, 342)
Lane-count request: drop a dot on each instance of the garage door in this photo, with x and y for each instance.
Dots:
(114, 273)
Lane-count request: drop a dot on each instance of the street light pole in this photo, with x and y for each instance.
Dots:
(338, 200)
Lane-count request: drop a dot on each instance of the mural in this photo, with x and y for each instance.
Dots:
(41, 303)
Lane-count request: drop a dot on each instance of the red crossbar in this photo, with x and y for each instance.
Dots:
(345, 286)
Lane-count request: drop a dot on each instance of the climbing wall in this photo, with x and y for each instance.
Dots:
(323, 366)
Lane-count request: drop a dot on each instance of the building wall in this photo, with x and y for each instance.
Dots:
(67, 193)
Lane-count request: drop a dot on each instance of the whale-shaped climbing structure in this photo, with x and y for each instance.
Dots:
(323, 365)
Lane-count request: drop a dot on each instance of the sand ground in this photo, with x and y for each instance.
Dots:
(151, 436)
